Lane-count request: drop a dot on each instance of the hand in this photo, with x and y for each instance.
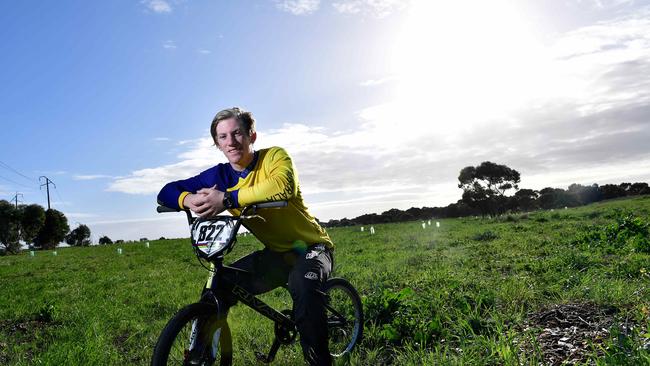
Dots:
(206, 202)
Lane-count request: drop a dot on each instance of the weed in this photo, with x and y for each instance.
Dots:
(46, 313)
(592, 214)
(485, 236)
(627, 233)
(540, 218)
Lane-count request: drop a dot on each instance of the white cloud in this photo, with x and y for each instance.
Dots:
(375, 8)
(75, 216)
(375, 82)
(162, 139)
(90, 176)
(298, 7)
(158, 6)
(586, 122)
(200, 156)
(191, 141)
(204, 51)
(169, 44)
(606, 4)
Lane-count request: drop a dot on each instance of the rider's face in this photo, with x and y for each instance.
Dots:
(235, 143)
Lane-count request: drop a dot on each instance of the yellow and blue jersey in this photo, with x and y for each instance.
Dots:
(271, 176)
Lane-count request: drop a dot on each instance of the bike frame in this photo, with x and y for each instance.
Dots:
(217, 285)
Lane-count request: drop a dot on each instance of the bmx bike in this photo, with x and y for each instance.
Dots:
(199, 333)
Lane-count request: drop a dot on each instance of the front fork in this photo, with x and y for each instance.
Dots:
(207, 295)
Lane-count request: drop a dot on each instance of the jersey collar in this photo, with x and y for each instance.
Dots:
(244, 173)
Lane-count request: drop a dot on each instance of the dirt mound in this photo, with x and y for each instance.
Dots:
(571, 333)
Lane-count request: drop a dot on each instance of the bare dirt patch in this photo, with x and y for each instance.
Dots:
(572, 333)
(20, 334)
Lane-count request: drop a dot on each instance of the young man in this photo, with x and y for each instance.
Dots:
(297, 249)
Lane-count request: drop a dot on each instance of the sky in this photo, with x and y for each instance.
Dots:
(380, 103)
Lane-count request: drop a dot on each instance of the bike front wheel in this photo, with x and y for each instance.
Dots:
(196, 335)
(344, 316)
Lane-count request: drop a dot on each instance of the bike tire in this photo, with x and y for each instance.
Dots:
(344, 316)
(174, 348)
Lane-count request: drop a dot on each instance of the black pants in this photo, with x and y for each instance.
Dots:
(305, 271)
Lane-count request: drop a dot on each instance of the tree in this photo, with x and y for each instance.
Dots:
(53, 231)
(105, 240)
(610, 191)
(485, 186)
(526, 199)
(79, 237)
(556, 198)
(639, 189)
(9, 226)
(585, 194)
(32, 220)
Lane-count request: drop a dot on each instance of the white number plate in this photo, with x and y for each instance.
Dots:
(211, 236)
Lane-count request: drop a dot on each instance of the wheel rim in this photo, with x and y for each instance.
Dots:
(194, 343)
(342, 320)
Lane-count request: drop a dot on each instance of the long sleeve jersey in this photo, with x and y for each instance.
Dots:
(271, 176)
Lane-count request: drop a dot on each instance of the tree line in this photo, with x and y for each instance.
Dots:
(39, 228)
(486, 192)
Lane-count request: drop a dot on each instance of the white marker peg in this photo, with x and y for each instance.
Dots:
(362, 229)
(146, 244)
(54, 253)
(372, 230)
(424, 225)
(119, 250)
(437, 223)
(31, 253)
(429, 222)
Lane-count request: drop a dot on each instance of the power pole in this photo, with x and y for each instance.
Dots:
(47, 185)
(15, 198)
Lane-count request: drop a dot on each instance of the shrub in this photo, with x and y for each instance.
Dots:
(540, 219)
(400, 317)
(485, 236)
(628, 232)
(511, 218)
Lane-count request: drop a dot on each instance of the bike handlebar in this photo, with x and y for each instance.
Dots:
(272, 204)
(161, 209)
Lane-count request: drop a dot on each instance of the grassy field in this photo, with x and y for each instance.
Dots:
(535, 288)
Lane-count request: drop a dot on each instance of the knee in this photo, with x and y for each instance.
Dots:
(302, 284)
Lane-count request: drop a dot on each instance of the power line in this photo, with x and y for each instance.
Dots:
(58, 194)
(6, 166)
(14, 182)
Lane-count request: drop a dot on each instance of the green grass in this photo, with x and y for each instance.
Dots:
(458, 294)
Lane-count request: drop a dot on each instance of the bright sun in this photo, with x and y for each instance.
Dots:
(465, 62)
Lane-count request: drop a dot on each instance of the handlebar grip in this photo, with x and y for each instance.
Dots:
(273, 204)
(162, 209)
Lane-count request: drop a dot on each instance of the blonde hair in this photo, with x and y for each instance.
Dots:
(245, 118)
